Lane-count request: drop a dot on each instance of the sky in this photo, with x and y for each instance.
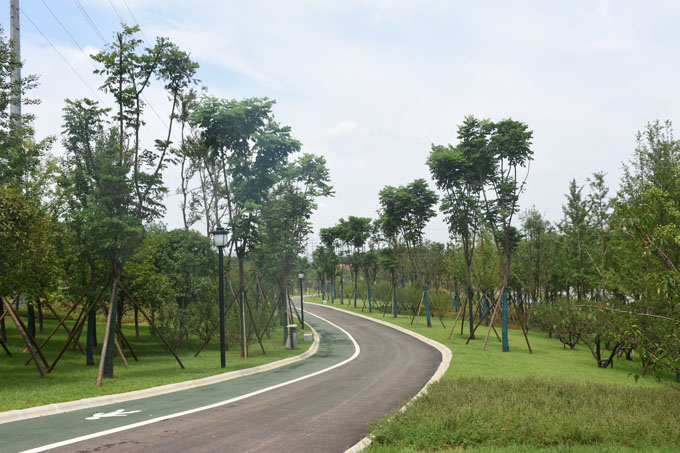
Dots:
(371, 85)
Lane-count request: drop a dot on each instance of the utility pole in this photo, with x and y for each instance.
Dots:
(15, 105)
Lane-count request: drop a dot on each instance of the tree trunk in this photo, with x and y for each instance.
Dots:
(40, 314)
(30, 315)
(242, 301)
(136, 323)
(91, 336)
(3, 329)
(108, 348)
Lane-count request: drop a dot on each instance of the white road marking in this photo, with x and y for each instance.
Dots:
(118, 413)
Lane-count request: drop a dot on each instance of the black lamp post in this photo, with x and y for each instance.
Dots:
(220, 240)
(302, 307)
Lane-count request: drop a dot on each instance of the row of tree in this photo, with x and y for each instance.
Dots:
(610, 263)
(82, 229)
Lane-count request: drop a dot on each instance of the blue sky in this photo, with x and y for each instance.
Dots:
(372, 84)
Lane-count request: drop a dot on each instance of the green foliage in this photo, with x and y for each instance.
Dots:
(440, 302)
(174, 274)
(286, 213)
(382, 292)
(409, 298)
(405, 210)
(246, 150)
(30, 264)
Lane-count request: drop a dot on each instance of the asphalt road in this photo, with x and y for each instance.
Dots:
(328, 412)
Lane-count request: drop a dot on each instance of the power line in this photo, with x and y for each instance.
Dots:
(96, 29)
(61, 55)
(68, 33)
(89, 20)
(116, 11)
(137, 23)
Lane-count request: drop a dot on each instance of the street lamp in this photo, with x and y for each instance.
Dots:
(302, 307)
(219, 236)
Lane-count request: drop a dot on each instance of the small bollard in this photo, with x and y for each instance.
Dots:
(308, 336)
(291, 340)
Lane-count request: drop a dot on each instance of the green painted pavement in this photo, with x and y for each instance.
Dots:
(335, 347)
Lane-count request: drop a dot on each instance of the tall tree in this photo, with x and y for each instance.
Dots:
(286, 215)
(575, 229)
(127, 181)
(455, 172)
(355, 232)
(405, 210)
(246, 150)
(500, 164)
(599, 212)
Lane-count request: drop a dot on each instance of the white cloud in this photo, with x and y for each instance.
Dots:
(342, 128)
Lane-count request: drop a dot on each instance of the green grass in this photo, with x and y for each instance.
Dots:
(22, 385)
(553, 400)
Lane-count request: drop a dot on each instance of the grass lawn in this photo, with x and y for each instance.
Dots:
(23, 387)
(552, 400)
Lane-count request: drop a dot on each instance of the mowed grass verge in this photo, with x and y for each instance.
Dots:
(555, 399)
(22, 386)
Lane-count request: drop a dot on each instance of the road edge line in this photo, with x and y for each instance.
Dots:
(63, 443)
(443, 366)
(96, 401)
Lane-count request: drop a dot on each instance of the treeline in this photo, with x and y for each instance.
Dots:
(604, 276)
(80, 234)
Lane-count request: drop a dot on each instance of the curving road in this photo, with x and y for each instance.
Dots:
(327, 412)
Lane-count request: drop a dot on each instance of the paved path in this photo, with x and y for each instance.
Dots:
(326, 412)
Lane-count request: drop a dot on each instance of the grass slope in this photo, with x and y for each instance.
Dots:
(555, 399)
(23, 387)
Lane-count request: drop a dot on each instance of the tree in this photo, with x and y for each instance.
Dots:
(125, 180)
(286, 215)
(246, 151)
(330, 238)
(323, 263)
(506, 153)
(455, 172)
(647, 212)
(405, 210)
(535, 228)
(174, 271)
(575, 229)
(599, 211)
(355, 231)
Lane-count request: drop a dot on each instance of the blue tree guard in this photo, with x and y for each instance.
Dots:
(427, 307)
(486, 309)
(355, 293)
(323, 292)
(368, 293)
(394, 300)
(471, 315)
(333, 292)
(456, 301)
(504, 307)
(342, 291)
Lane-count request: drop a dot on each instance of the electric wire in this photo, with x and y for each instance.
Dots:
(96, 29)
(89, 20)
(61, 55)
(116, 11)
(69, 34)
(148, 43)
